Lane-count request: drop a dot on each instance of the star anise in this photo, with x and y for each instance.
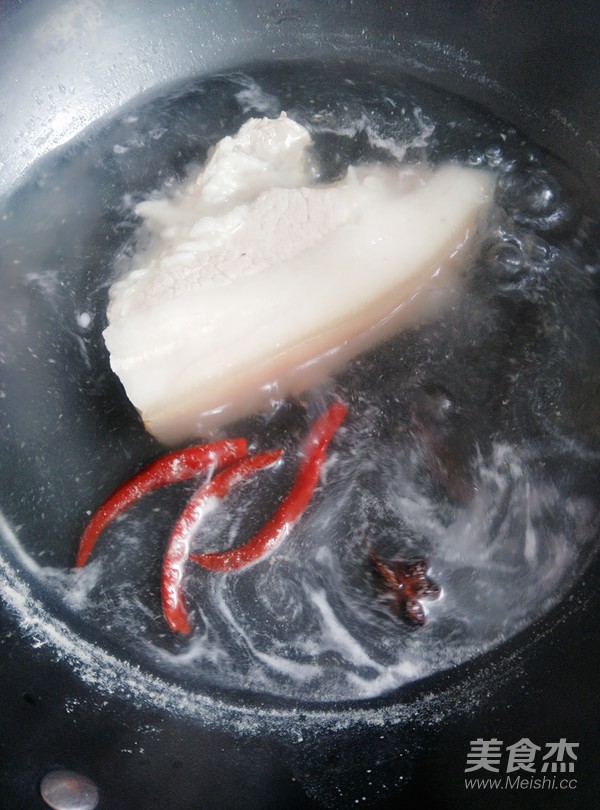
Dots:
(405, 584)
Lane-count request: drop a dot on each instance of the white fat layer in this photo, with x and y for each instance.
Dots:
(253, 281)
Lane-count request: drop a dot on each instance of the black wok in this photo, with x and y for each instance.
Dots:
(73, 699)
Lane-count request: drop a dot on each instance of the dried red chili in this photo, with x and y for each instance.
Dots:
(177, 552)
(280, 524)
(180, 465)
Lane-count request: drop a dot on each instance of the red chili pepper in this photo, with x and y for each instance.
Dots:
(281, 523)
(170, 468)
(177, 552)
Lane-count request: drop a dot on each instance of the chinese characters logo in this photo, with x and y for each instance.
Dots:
(522, 756)
(487, 754)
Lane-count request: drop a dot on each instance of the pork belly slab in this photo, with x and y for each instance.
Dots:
(254, 282)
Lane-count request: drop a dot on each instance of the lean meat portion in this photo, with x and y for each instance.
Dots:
(254, 282)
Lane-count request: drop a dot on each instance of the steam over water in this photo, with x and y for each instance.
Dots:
(472, 439)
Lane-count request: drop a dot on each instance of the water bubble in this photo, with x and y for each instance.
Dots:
(494, 156)
(540, 193)
(537, 251)
(475, 159)
(505, 258)
(533, 198)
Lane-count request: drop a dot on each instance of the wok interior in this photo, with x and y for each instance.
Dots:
(70, 431)
(519, 427)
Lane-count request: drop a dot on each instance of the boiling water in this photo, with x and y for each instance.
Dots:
(472, 439)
